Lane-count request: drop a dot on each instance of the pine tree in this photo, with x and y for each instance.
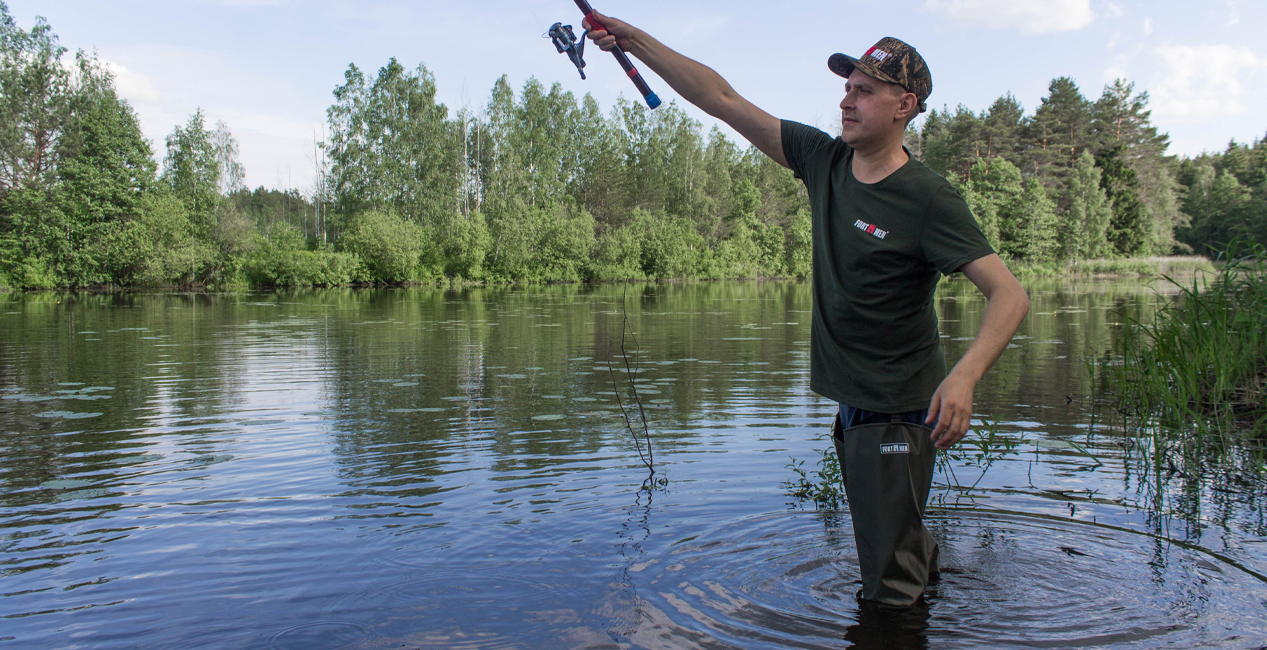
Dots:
(1138, 173)
(36, 91)
(1129, 230)
(1000, 130)
(1086, 220)
(952, 141)
(1057, 134)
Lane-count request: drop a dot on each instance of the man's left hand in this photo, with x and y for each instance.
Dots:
(951, 408)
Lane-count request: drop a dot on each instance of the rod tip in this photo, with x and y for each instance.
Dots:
(653, 101)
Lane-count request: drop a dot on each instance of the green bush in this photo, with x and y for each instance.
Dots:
(566, 245)
(173, 255)
(798, 252)
(470, 240)
(670, 247)
(391, 247)
(280, 260)
(617, 256)
(303, 268)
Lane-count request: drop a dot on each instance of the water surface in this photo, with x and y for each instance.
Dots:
(431, 469)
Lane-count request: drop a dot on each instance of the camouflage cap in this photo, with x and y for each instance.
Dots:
(893, 61)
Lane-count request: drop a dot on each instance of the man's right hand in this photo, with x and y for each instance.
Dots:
(695, 82)
(616, 32)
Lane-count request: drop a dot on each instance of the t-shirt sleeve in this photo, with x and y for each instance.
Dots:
(799, 144)
(951, 237)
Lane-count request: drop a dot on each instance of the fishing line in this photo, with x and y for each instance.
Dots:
(534, 14)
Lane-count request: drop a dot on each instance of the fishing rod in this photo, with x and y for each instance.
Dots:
(566, 42)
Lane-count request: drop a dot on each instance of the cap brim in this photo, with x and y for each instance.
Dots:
(841, 64)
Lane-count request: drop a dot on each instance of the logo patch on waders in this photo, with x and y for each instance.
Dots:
(887, 469)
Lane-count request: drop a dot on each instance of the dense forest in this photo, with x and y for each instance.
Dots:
(538, 186)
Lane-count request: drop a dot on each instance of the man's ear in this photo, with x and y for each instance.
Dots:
(907, 108)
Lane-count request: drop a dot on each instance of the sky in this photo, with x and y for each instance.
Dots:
(267, 68)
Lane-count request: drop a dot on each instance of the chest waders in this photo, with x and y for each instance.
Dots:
(888, 471)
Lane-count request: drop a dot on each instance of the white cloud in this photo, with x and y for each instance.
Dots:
(1148, 27)
(1115, 70)
(1030, 16)
(132, 86)
(272, 120)
(1233, 12)
(1204, 83)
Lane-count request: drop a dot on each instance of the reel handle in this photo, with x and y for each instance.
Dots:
(652, 100)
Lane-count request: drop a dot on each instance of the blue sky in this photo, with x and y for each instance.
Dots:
(267, 67)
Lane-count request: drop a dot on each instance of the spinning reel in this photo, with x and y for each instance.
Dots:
(567, 43)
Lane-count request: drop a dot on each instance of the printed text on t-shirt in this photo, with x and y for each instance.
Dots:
(870, 228)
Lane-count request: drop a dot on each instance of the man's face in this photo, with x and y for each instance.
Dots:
(869, 109)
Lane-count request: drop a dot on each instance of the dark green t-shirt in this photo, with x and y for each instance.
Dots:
(879, 250)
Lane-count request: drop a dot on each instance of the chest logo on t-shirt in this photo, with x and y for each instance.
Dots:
(870, 228)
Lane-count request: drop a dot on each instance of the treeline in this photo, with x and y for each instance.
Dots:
(1226, 196)
(84, 202)
(538, 186)
(1082, 179)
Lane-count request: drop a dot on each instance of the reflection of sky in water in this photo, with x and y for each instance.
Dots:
(451, 469)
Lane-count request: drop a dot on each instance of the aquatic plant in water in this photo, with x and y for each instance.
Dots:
(984, 446)
(1198, 365)
(824, 486)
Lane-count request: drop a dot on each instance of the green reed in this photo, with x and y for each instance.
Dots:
(984, 445)
(1198, 365)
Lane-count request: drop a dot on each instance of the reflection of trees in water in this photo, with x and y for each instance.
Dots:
(68, 482)
(189, 370)
(1069, 321)
(502, 356)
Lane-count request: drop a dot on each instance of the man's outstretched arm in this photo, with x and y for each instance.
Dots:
(696, 83)
(1007, 304)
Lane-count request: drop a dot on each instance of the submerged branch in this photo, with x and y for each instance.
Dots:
(647, 458)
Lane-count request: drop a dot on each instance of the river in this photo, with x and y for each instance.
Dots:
(419, 468)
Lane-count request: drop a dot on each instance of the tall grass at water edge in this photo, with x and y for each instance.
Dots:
(1171, 265)
(1195, 370)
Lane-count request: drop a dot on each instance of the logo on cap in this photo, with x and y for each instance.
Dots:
(877, 54)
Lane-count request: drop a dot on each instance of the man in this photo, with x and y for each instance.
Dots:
(885, 228)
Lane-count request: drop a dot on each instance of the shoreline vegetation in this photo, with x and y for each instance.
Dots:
(1173, 266)
(539, 186)
(1193, 375)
